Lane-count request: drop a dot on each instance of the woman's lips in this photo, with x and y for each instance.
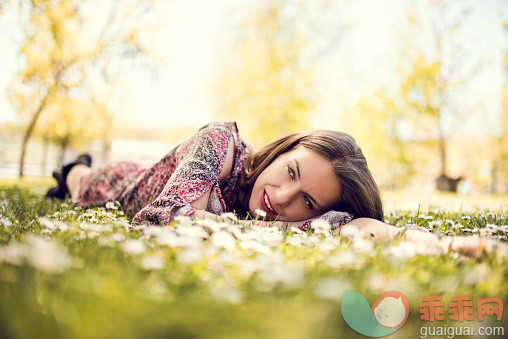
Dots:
(266, 204)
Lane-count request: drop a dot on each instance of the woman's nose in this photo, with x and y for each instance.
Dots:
(285, 194)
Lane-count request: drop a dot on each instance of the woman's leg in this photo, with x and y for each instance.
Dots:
(74, 178)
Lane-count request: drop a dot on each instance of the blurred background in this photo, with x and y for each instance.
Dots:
(421, 84)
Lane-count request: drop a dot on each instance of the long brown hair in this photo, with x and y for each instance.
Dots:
(359, 192)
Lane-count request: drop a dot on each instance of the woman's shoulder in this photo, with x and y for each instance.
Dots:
(220, 125)
(224, 130)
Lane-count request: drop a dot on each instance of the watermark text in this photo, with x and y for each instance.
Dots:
(452, 331)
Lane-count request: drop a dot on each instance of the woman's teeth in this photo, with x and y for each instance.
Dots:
(268, 204)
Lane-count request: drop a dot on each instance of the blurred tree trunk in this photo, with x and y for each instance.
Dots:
(28, 134)
(64, 145)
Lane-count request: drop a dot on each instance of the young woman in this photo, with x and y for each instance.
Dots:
(290, 182)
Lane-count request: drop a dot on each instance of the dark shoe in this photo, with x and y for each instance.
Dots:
(84, 159)
(57, 174)
(61, 190)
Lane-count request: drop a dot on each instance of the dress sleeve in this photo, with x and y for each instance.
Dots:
(197, 172)
(334, 218)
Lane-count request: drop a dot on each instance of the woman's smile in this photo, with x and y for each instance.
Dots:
(266, 205)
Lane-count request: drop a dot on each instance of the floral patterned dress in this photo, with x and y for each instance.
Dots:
(158, 193)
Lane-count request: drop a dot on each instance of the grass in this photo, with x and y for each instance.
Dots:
(76, 273)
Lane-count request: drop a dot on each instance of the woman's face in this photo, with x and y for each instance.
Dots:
(297, 185)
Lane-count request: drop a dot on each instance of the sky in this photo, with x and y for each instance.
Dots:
(181, 93)
(193, 30)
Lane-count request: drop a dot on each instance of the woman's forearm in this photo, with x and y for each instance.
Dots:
(468, 245)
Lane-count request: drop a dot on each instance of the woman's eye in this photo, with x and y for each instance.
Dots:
(308, 202)
(291, 172)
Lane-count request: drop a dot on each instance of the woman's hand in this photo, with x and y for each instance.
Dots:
(476, 246)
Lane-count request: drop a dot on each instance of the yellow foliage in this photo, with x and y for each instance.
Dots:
(373, 124)
(423, 87)
(73, 122)
(265, 87)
